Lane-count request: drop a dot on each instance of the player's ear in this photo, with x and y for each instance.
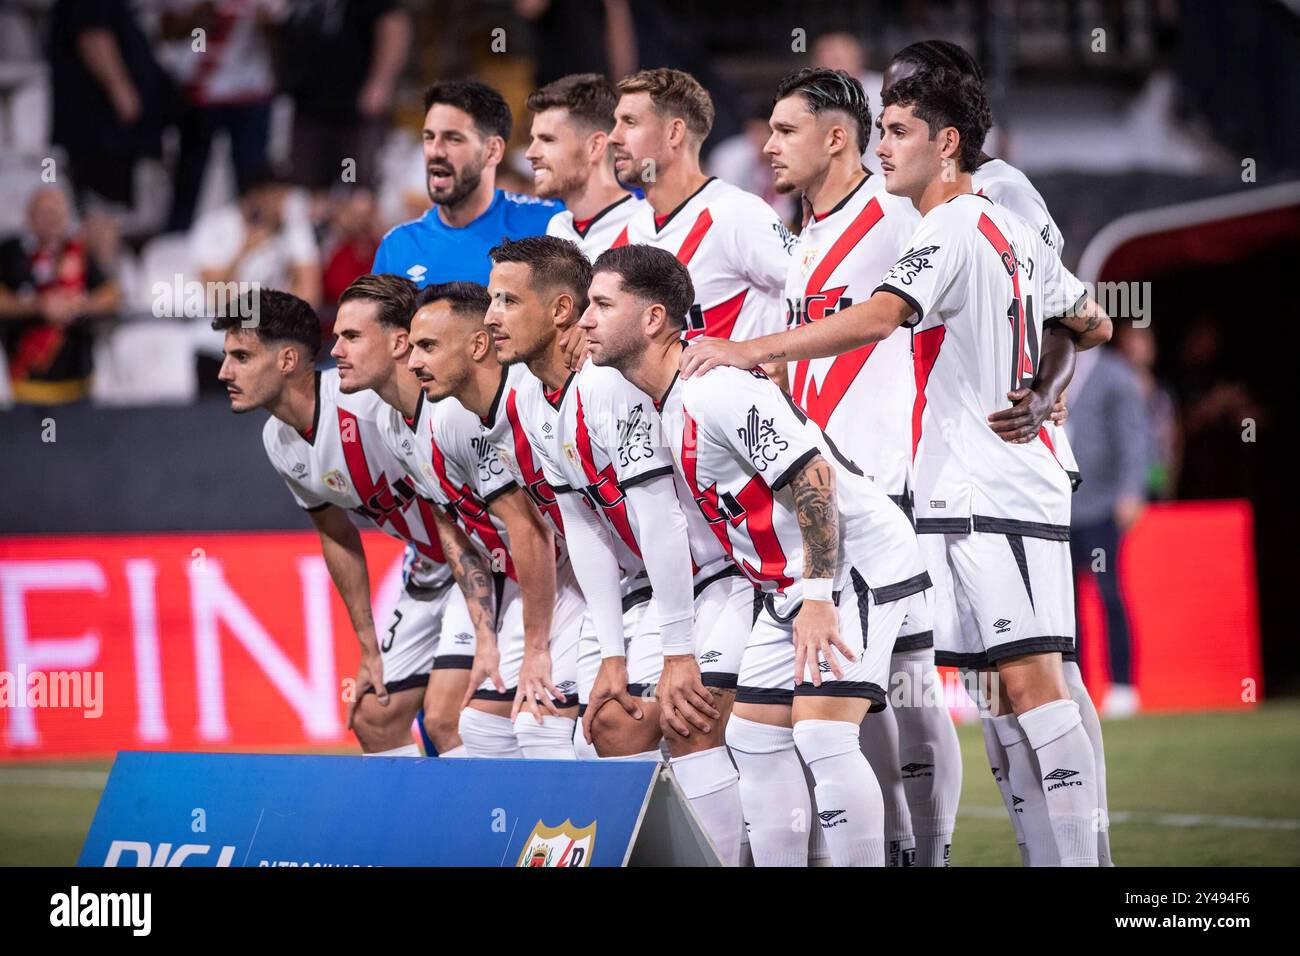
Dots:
(597, 146)
(494, 150)
(401, 342)
(287, 360)
(677, 131)
(949, 142)
(562, 310)
(479, 344)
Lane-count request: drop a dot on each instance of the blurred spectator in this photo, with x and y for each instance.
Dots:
(1108, 432)
(581, 36)
(226, 84)
(739, 160)
(353, 240)
(264, 237)
(844, 51)
(340, 60)
(51, 289)
(108, 96)
(1164, 453)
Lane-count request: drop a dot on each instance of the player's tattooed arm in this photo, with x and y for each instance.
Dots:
(813, 489)
(472, 572)
(1089, 323)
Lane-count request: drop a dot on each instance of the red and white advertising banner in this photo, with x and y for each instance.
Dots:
(238, 641)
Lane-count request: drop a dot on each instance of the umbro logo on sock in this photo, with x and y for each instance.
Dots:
(1002, 624)
(1016, 802)
(828, 815)
(1062, 778)
(913, 770)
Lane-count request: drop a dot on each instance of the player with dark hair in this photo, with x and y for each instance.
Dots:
(668, 612)
(836, 561)
(734, 244)
(466, 127)
(984, 293)
(569, 153)
(324, 441)
(1009, 187)
(863, 399)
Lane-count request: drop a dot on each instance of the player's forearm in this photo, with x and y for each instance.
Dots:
(595, 565)
(532, 547)
(666, 551)
(346, 560)
(472, 573)
(1090, 323)
(856, 326)
(813, 491)
(1056, 361)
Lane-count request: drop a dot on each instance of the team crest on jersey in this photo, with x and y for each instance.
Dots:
(566, 845)
(913, 263)
(335, 481)
(570, 452)
(427, 468)
(762, 441)
(808, 261)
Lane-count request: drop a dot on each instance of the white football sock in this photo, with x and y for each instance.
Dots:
(930, 757)
(1092, 725)
(581, 748)
(998, 764)
(711, 783)
(552, 739)
(878, 738)
(458, 751)
(487, 735)
(1027, 788)
(773, 792)
(851, 809)
(410, 750)
(1069, 780)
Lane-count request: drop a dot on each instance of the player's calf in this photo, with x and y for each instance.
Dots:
(381, 728)
(442, 701)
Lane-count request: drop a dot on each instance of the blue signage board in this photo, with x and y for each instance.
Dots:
(190, 809)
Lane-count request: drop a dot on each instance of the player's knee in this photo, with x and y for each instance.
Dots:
(376, 725)
(616, 733)
(443, 728)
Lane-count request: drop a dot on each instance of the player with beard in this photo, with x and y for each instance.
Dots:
(836, 560)
(1009, 187)
(863, 399)
(734, 244)
(985, 293)
(324, 442)
(569, 152)
(466, 127)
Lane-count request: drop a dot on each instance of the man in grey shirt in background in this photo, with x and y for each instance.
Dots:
(1108, 432)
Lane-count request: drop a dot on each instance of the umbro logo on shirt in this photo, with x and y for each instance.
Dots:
(416, 272)
(299, 469)
(1002, 625)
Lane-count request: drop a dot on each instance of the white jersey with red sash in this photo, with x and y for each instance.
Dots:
(344, 461)
(605, 230)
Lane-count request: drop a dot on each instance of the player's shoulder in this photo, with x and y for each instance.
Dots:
(524, 208)
(561, 224)
(275, 436)
(996, 176)
(721, 386)
(603, 382)
(406, 231)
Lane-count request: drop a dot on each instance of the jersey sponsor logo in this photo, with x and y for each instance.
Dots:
(763, 444)
(912, 264)
(718, 321)
(564, 846)
(784, 234)
(489, 465)
(416, 272)
(634, 437)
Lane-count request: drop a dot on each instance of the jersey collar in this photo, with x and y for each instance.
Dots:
(556, 399)
(436, 220)
(309, 436)
(819, 216)
(586, 225)
(414, 423)
(490, 418)
(659, 224)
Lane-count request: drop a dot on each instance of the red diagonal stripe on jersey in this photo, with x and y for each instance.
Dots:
(621, 240)
(756, 504)
(821, 404)
(1003, 248)
(539, 489)
(378, 500)
(925, 351)
(720, 321)
(693, 238)
(472, 511)
(431, 529)
(603, 486)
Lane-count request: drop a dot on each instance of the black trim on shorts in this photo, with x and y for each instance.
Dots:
(769, 605)
(634, 598)
(425, 592)
(496, 695)
(1018, 550)
(1070, 655)
(719, 680)
(797, 465)
(943, 526)
(864, 602)
(582, 710)
(764, 695)
(896, 592)
(498, 590)
(922, 640)
(1076, 480)
(454, 662)
(976, 661)
(496, 493)
(845, 688)
(1028, 529)
(1029, 645)
(904, 503)
(731, 571)
(920, 312)
(406, 683)
(638, 690)
(645, 476)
